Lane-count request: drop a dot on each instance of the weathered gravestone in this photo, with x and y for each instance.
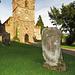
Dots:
(52, 54)
(5, 38)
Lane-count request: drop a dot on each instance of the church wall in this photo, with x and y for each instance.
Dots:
(26, 28)
(24, 19)
(9, 27)
(0, 38)
(30, 4)
(25, 14)
(37, 31)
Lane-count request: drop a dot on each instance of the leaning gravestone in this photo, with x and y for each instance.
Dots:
(5, 38)
(52, 54)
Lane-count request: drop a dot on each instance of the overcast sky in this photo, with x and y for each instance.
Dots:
(41, 8)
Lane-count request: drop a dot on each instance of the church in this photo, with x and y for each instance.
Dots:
(23, 20)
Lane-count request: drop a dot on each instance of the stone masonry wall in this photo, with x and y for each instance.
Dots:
(9, 27)
(37, 31)
(24, 19)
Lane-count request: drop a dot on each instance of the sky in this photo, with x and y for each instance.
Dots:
(41, 8)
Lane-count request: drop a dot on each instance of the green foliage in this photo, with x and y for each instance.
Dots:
(65, 18)
(64, 36)
(0, 1)
(40, 23)
(16, 37)
(68, 41)
(55, 16)
(0, 21)
(37, 40)
(46, 27)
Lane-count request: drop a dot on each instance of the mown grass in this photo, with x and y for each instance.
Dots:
(66, 46)
(70, 47)
(24, 59)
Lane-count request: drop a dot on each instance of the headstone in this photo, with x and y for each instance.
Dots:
(5, 38)
(52, 54)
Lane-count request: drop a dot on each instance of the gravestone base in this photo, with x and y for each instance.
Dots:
(60, 67)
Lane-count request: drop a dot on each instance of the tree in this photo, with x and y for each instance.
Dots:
(46, 27)
(40, 23)
(0, 1)
(66, 18)
(0, 22)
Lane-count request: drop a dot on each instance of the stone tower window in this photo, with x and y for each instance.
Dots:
(13, 0)
(26, 3)
(26, 28)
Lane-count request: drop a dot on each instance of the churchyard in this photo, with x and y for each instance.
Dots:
(20, 55)
(25, 59)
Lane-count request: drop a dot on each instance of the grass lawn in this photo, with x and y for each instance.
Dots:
(23, 59)
(70, 47)
(66, 46)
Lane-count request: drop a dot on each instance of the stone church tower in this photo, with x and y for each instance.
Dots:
(24, 19)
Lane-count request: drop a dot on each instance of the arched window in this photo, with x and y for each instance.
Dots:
(26, 3)
(26, 38)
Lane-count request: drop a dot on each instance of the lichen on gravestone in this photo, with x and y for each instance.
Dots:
(51, 47)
